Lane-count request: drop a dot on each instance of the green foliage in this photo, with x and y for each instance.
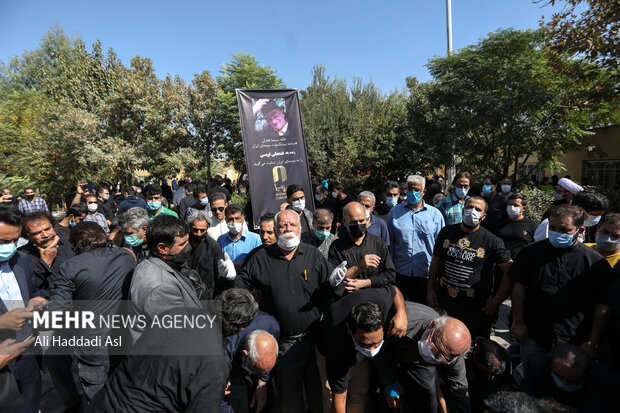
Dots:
(538, 201)
(235, 198)
(351, 133)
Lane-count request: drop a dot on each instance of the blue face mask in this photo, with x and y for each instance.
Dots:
(487, 189)
(204, 201)
(133, 240)
(391, 202)
(460, 193)
(607, 243)
(153, 206)
(569, 388)
(591, 221)
(322, 235)
(414, 197)
(318, 197)
(71, 223)
(7, 251)
(561, 240)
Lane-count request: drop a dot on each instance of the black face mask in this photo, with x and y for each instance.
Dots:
(357, 230)
(197, 238)
(180, 259)
(30, 196)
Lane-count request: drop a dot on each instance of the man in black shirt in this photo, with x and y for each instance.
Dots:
(460, 277)
(293, 280)
(187, 202)
(206, 252)
(517, 231)
(366, 255)
(46, 249)
(104, 205)
(74, 215)
(321, 199)
(558, 282)
(296, 200)
(391, 200)
(341, 199)
(349, 343)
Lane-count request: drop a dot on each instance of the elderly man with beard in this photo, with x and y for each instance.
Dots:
(293, 279)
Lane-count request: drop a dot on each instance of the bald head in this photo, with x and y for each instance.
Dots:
(453, 338)
(353, 212)
(261, 351)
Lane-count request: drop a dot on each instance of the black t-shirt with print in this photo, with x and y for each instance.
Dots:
(466, 259)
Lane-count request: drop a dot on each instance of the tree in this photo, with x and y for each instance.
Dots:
(243, 72)
(498, 102)
(591, 33)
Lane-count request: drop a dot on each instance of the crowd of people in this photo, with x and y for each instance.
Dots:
(377, 302)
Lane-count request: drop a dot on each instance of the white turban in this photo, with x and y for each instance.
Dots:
(570, 186)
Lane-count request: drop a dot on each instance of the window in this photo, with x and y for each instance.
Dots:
(604, 174)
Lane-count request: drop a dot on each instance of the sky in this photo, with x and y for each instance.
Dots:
(381, 40)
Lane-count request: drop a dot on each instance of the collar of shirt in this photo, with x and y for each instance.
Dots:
(274, 251)
(282, 131)
(415, 211)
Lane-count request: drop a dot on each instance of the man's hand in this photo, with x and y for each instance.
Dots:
(355, 284)
(398, 325)
(283, 206)
(260, 396)
(15, 319)
(369, 261)
(226, 391)
(431, 298)
(259, 105)
(491, 307)
(226, 268)
(519, 331)
(35, 302)
(338, 274)
(9, 349)
(48, 254)
(80, 189)
(392, 395)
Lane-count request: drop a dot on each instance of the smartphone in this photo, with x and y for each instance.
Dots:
(19, 340)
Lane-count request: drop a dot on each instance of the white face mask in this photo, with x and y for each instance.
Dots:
(235, 227)
(471, 217)
(288, 241)
(506, 188)
(335, 194)
(513, 211)
(298, 205)
(106, 196)
(92, 207)
(426, 353)
(367, 352)
(367, 211)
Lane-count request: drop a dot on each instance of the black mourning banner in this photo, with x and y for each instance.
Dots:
(275, 148)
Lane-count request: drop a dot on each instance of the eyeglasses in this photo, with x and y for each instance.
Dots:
(437, 353)
(215, 209)
(462, 186)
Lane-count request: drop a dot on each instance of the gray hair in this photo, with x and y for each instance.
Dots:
(323, 216)
(250, 345)
(135, 218)
(321, 189)
(366, 194)
(197, 215)
(417, 179)
(277, 217)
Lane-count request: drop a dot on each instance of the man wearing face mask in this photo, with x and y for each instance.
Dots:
(361, 260)
(94, 216)
(497, 206)
(320, 237)
(558, 283)
(593, 203)
(153, 196)
(451, 207)
(391, 200)
(164, 280)
(569, 376)
(293, 279)
(296, 201)
(352, 333)
(608, 238)
(374, 224)
(413, 227)
(341, 199)
(408, 366)
(74, 215)
(206, 256)
(402, 190)
(133, 223)
(460, 277)
(105, 205)
(238, 242)
(31, 203)
(516, 230)
(322, 200)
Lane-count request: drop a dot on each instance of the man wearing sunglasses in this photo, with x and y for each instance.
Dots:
(408, 367)
(218, 226)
